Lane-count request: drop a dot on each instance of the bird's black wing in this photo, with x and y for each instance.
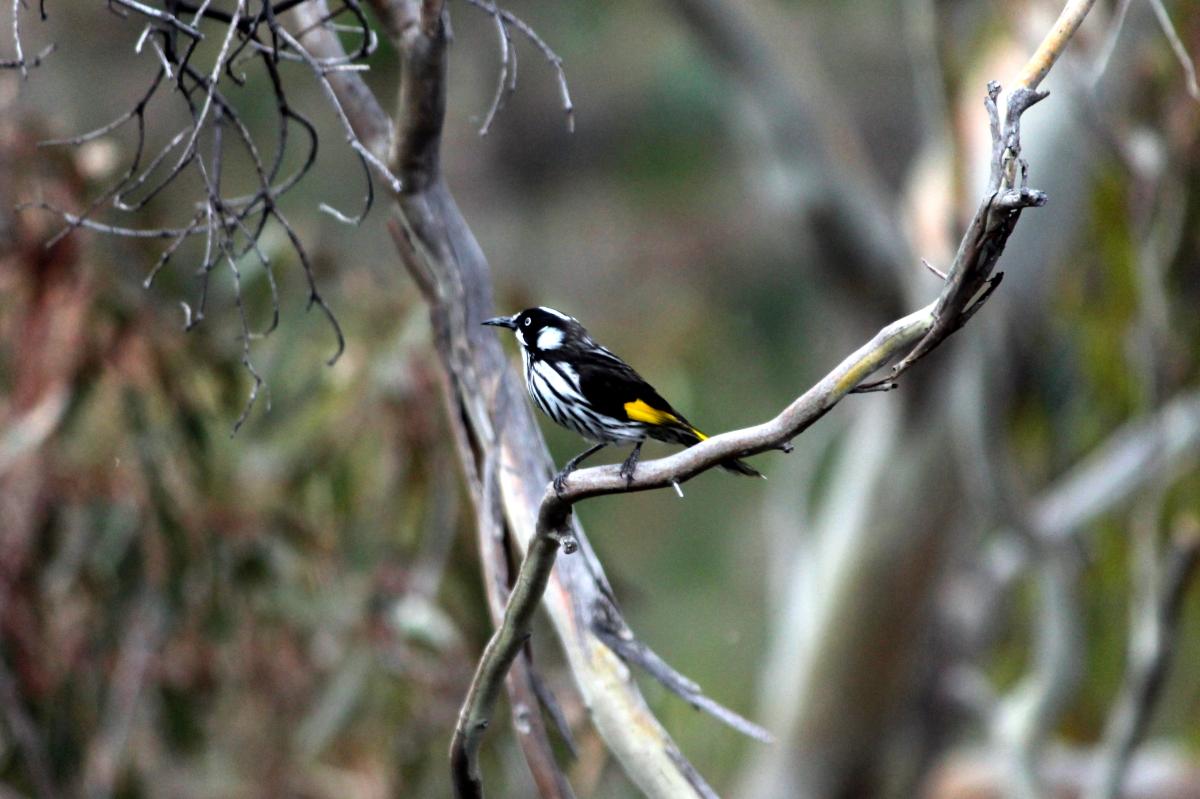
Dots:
(614, 388)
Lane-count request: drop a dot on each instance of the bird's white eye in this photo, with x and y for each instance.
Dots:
(528, 321)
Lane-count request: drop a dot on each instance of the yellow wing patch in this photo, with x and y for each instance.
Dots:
(639, 411)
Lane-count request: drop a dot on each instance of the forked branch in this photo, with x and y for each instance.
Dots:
(968, 284)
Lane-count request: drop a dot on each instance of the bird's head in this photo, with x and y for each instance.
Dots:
(540, 329)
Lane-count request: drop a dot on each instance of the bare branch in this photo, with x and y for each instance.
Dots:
(503, 19)
(372, 125)
(1007, 195)
(141, 640)
(162, 16)
(444, 258)
(16, 35)
(553, 516)
(1143, 450)
(518, 618)
(1054, 43)
(969, 283)
(506, 83)
(351, 137)
(1026, 715)
(1181, 53)
(20, 62)
(23, 64)
(1154, 632)
(621, 641)
(523, 695)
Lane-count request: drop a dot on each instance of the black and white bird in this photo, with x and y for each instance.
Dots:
(586, 388)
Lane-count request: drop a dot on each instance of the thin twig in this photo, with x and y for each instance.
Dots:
(1177, 47)
(634, 651)
(504, 85)
(555, 61)
(162, 16)
(1115, 26)
(352, 139)
(16, 35)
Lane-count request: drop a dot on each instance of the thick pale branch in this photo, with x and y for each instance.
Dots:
(486, 403)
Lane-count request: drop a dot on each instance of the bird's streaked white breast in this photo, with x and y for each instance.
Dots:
(555, 380)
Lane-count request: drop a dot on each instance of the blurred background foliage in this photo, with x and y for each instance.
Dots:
(295, 610)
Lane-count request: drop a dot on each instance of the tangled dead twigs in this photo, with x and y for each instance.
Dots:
(232, 221)
(229, 219)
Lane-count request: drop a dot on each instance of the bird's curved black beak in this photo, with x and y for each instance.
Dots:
(502, 321)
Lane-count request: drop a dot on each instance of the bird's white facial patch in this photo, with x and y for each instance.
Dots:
(549, 338)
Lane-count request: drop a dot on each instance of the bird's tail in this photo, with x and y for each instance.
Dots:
(741, 467)
(733, 464)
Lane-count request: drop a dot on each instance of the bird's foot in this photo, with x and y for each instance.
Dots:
(630, 464)
(560, 481)
(627, 470)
